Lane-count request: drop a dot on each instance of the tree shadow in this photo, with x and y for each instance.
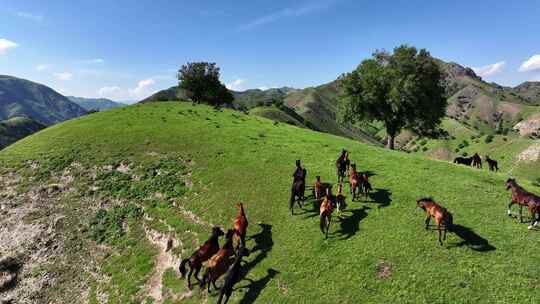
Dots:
(381, 197)
(256, 287)
(351, 224)
(471, 239)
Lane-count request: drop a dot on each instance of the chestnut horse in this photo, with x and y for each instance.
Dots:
(317, 188)
(441, 215)
(325, 213)
(365, 186)
(523, 197)
(240, 224)
(354, 181)
(493, 165)
(340, 200)
(298, 190)
(219, 263)
(341, 165)
(206, 251)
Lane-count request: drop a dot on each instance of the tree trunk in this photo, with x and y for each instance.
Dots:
(390, 143)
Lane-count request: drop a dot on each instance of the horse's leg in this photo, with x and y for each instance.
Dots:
(520, 213)
(509, 210)
(197, 269)
(189, 275)
(328, 226)
(440, 232)
(427, 221)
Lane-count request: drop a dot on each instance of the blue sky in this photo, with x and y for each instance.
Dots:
(126, 50)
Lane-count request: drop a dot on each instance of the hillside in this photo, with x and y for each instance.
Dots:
(20, 97)
(89, 207)
(16, 128)
(99, 104)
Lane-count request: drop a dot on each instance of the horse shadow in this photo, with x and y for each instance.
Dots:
(350, 225)
(255, 288)
(383, 197)
(471, 239)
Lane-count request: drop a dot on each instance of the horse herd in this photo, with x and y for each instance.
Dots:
(476, 162)
(227, 260)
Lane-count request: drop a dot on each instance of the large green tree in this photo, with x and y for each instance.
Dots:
(201, 82)
(403, 90)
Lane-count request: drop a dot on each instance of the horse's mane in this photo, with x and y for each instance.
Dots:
(428, 199)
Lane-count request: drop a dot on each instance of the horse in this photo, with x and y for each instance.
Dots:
(341, 166)
(317, 188)
(219, 263)
(365, 186)
(298, 172)
(354, 181)
(205, 252)
(493, 165)
(441, 215)
(523, 197)
(476, 161)
(298, 190)
(240, 224)
(340, 200)
(347, 163)
(467, 161)
(233, 275)
(325, 213)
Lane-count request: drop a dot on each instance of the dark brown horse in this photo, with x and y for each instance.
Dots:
(523, 197)
(298, 171)
(441, 215)
(365, 186)
(219, 263)
(233, 276)
(341, 166)
(325, 213)
(298, 190)
(205, 252)
(354, 182)
(493, 165)
(240, 224)
(476, 161)
(467, 161)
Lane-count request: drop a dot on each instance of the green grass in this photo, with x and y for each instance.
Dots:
(237, 157)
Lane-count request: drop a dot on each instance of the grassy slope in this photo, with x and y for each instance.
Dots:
(276, 114)
(238, 157)
(16, 128)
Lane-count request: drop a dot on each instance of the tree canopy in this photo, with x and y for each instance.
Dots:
(403, 90)
(201, 82)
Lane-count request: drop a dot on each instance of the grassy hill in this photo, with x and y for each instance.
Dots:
(20, 97)
(16, 128)
(99, 104)
(91, 204)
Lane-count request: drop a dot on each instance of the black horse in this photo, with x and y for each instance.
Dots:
(467, 161)
(476, 161)
(298, 190)
(493, 165)
(342, 164)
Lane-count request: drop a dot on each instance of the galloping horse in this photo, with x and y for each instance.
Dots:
(441, 215)
(240, 224)
(298, 190)
(467, 161)
(219, 263)
(523, 197)
(325, 213)
(206, 251)
(477, 161)
(233, 276)
(365, 186)
(340, 200)
(317, 188)
(493, 165)
(341, 166)
(298, 171)
(354, 181)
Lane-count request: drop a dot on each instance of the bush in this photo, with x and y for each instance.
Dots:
(465, 154)
(456, 150)
(423, 142)
(488, 139)
(107, 224)
(424, 149)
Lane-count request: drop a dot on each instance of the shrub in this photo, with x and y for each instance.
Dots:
(106, 226)
(488, 139)
(465, 154)
(424, 149)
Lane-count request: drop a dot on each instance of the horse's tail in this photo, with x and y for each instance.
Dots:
(183, 269)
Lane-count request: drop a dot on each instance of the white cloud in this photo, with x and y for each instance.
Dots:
(63, 76)
(236, 84)
(31, 16)
(263, 88)
(111, 92)
(490, 69)
(531, 64)
(42, 67)
(287, 13)
(5, 45)
(142, 90)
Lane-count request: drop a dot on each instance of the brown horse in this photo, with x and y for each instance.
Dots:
(240, 224)
(317, 188)
(325, 213)
(233, 276)
(298, 190)
(365, 186)
(493, 165)
(341, 166)
(354, 181)
(476, 161)
(298, 171)
(441, 215)
(523, 197)
(340, 200)
(206, 251)
(219, 263)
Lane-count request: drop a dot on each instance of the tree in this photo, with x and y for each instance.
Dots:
(403, 90)
(201, 82)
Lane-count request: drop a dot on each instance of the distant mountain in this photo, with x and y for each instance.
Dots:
(16, 128)
(99, 104)
(20, 97)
